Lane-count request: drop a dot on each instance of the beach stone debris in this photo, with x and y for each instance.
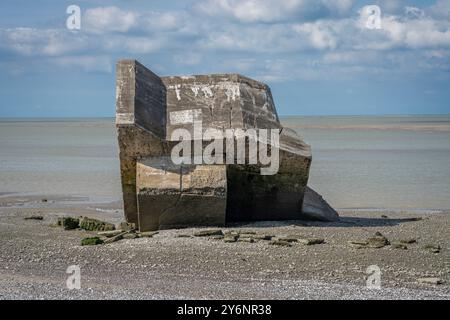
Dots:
(92, 241)
(34, 218)
(316, 208)
(280, 243)
(130, 235)
(116, 238)
(289, 238)
(310, 241)
(91, 224)
(183, 235)
(408, 241)
(208, 233)
(246, 239)
(125, 226)
(148, 234)
(431, 280)
(358, 244)
(247, 235)
(377, 241)
(231, 232)
(109, 234)
(398, 245)
(230, 238)
(44, 200)
(432, 248)
(69, 223)
(158, 193)
(266, 237)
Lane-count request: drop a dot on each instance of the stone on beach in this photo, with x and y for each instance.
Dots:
(311, 241)
(34, 218)
(432, 281)
(316, 208)
(93, 241)
(125, 226)
(90, 224)
(399, 245)
(377, 241)
(109, 234)
(69, 223)
(131, 235)
(408, 241)
(280, 243)
(230, 238)
(207, 233)
(433, 248)
(148, 234)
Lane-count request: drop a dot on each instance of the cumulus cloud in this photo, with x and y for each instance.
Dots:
(48, 42)
(265, 38)
(274, 10)
(109, 19)
(441, 9)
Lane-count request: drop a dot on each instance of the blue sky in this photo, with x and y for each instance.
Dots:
(317, 55)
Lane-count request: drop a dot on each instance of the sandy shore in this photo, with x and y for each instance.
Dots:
(34, 256)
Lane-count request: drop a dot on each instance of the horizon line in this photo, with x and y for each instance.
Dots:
(281, 116)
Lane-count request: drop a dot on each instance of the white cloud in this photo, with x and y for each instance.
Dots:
(321, 34)
(273, 10)
(441, 9)
(109, 19)
(271, 40)
(36, 42)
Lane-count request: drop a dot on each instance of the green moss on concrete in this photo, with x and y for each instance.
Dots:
(91, 241)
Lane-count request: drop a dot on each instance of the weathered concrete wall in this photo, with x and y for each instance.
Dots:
(178, 195)
(221, 101)
(140, 121)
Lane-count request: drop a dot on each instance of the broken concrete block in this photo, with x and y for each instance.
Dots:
(68, 223)
(34, 218)
(310, 241)
(316, 208)
(280, 243)
(432, 281)
(433, 248)
(408, 241)
(116, 238)
(230, 238)
(246, 239)
(148, 234)
(208, 233)
(399, 245)
(377, 241)
(158, 193)
(91, 241)
(289, 238)
(358, 244)
(263, 237)
(130, 235)
(110, 234)
(125, 226)
(90, 224)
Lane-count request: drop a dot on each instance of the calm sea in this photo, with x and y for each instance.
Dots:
(358, 162)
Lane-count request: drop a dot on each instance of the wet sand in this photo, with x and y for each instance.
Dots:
(35, 255)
